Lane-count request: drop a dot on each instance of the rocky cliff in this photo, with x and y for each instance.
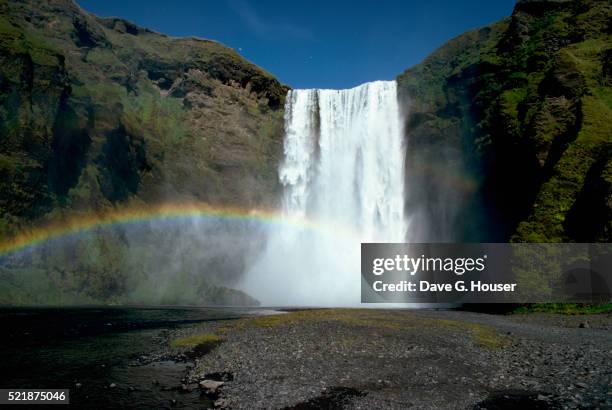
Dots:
(508, 128)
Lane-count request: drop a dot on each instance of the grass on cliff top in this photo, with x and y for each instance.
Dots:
(566, 308)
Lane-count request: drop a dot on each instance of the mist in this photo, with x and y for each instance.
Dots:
(174, 261)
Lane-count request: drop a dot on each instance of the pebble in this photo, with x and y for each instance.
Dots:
(221, 403)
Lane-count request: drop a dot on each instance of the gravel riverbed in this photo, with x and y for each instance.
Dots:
(361, 358)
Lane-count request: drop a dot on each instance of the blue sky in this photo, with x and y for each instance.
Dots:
(316, 44)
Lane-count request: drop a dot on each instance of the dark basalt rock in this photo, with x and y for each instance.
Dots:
(337, 397)
(591, 215)
(517, 399)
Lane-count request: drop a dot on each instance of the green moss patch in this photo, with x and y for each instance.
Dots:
(196, 340)
(566, 308)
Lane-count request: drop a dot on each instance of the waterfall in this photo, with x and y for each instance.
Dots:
(343, 169)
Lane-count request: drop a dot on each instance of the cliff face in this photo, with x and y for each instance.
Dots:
(96, 112)
(511, 124)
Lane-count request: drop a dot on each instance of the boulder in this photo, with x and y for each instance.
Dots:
(211, 386)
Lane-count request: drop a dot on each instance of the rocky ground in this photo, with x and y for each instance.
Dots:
(405, 359)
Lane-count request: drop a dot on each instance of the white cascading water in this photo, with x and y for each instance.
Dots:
(343, 170)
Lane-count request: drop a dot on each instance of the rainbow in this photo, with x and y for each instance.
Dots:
(82, 223)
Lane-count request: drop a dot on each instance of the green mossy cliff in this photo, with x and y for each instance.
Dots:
(513, 123)
(96, 112)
